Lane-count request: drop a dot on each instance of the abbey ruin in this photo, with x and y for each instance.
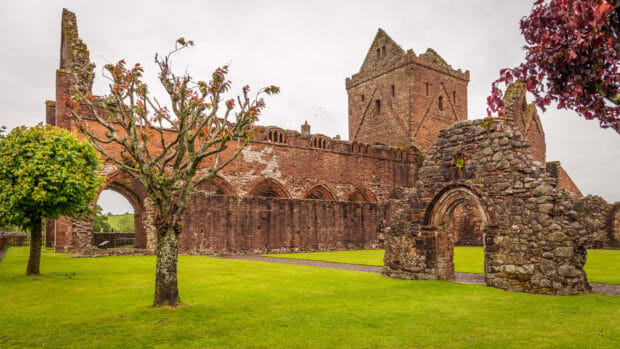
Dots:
(416, 175)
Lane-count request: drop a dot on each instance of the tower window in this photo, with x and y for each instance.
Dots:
(427, 88)
(383, 50)
(362, 98)
(378, 105)
(378, 53)
(454, 96)
(393, 91)
(440, 103)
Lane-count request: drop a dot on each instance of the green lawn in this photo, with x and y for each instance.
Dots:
(601, 266)
(121, 223)
(106, 302)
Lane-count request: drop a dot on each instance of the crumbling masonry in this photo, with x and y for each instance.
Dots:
(412, 151)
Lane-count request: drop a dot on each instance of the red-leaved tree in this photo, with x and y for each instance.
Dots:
(572, 59)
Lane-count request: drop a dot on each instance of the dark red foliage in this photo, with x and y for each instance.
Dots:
(572, 59)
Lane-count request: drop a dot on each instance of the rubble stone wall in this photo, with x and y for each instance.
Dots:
(533, 241)
(600, 221)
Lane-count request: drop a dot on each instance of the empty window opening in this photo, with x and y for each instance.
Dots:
(212, 188)
(363, 98)
(378, 53)
(440, 102)
(268, 189)
(276, 136)
(267, 192)
(114, 224)
(454, 97)
(393, 91)
(378, 106)
(383, 50)
(318, 193)
(427, 88)
(360, 195)
(320, 142)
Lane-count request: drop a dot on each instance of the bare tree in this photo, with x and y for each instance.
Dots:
(170, 151)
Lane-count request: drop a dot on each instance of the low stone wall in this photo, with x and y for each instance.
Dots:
(115, 239)
(92, 251)
(13, 239)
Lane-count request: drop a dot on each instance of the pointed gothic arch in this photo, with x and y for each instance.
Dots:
(217, 186)
(361, 194)
(319, 192)
(269, 188)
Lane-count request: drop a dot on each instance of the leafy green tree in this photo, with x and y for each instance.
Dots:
(170, 151)
(45, 172)
(100, 222)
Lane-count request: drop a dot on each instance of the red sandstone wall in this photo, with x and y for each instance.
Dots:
(221, 224)
(298, 166)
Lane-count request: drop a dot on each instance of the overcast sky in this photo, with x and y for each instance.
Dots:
(307, 48)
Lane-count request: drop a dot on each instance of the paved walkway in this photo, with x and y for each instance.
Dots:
(459, 277)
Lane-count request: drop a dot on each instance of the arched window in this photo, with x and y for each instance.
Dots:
(440, 103)
(216, 186)
(269, 188)
(275, 135)
(318, 192)
(320, 142)
(360, 195)
(395, 194)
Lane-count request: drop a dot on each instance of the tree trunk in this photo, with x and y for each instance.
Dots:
(166, 289)
(35, 248)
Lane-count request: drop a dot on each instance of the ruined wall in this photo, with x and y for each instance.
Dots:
(218, 224)
(224, 224)
(533, 242)
(525, 119)
(555, 170)
(399, 98)
(597, 217)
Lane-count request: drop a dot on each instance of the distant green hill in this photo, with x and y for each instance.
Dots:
(119, 223)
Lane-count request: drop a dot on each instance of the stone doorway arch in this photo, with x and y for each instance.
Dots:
(443, 217)
(532, 239)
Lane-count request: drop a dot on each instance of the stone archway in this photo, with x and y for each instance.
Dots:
(444, 217)
(459, 211)
(532, 240)
(138, 210)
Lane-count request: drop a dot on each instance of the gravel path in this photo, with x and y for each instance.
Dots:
(466, 278)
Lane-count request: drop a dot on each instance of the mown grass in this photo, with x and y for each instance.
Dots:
(106, 302)
(601, 265)
(121, 223)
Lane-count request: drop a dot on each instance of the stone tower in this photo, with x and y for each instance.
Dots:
(399, 98)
